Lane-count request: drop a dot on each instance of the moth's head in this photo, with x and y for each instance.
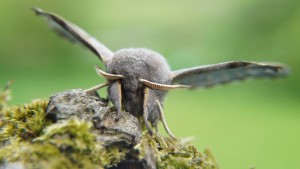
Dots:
(137, 68)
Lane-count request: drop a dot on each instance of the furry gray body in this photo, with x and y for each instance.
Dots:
(135, 64)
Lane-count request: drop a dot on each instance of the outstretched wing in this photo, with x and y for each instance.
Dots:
(72, 32)
(209, 75)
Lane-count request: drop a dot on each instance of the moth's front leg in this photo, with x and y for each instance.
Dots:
(115, 95)
(94, 89)
(149, 102)
(163, 119)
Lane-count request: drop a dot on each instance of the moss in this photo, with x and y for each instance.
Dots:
(210, 159)
(69, 143)
(22, 123)
(74, 139)
(47, 155)
(172, 154)
(26, 137)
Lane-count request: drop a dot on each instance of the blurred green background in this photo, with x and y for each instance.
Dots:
(248, 124)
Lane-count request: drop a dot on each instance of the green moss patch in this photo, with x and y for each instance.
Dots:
(172, 154)
(22, 123)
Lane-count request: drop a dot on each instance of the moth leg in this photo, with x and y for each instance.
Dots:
(115, 95)
(163, 120)
(146, 109)
(93, 89)
(156, 128)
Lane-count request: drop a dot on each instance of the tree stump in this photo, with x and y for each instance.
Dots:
(77, 129)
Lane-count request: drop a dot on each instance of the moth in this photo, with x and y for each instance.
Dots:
(138, 79)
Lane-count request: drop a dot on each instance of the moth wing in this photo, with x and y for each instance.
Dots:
(210, 75)
(74, 33)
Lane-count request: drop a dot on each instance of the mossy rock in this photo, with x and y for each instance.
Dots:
(30, 138)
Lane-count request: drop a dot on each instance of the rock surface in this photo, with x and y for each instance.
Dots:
(110, 131)
(91, 108)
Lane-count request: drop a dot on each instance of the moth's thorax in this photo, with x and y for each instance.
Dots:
(135, 64)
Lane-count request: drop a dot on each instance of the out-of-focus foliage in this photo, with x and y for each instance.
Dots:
(250, 124)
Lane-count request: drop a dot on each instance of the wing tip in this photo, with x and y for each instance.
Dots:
(280, 69)
(283, 71)
(37, 10)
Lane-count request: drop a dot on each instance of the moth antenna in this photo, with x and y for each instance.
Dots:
(158, 86)
(108, 76)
